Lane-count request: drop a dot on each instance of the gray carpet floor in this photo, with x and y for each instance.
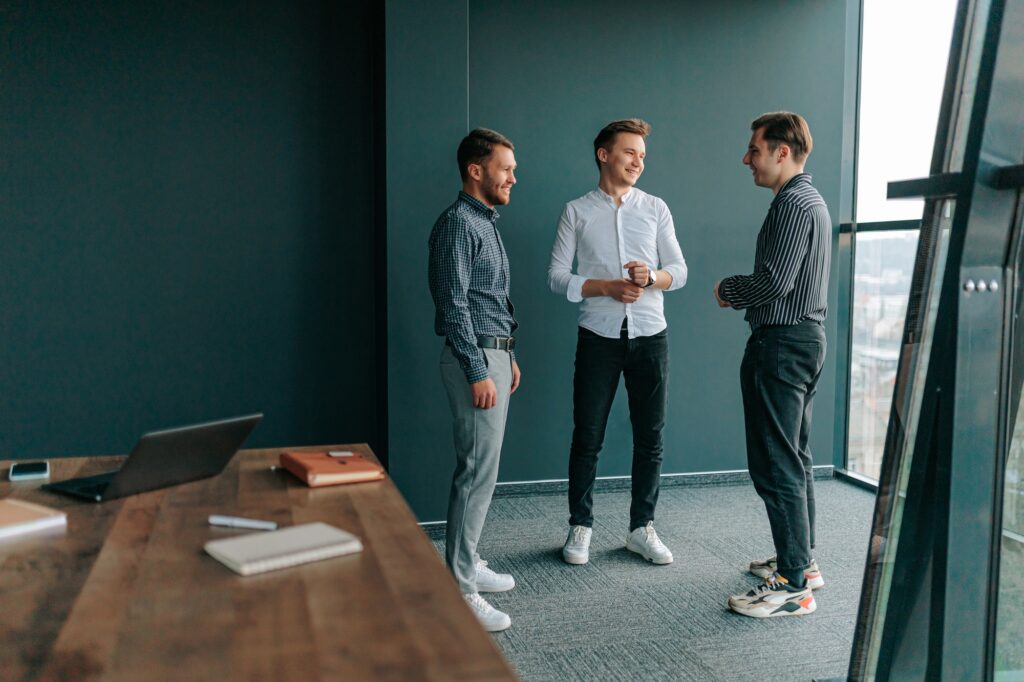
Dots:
(621, 618)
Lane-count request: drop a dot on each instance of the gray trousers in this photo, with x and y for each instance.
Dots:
(478, 435)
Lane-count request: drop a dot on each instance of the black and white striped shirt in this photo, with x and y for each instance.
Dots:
(791, 264)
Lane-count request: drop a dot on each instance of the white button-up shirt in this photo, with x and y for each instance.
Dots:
(603, 237)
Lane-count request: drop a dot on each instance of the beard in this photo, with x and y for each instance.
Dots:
(495, 197)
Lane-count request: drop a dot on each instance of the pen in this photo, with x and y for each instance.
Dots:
(238, 522)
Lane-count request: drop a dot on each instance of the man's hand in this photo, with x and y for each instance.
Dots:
(721, 302)
(623, 290)
(639, 273)
(485, 394)
(515, 377)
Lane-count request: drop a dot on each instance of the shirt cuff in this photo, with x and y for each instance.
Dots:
(722, 286)
(476, 373)
(574, 292)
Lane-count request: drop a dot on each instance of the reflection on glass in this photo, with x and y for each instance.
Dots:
(1009, 663)
(881, 284)
(912, 365)
(905, 46)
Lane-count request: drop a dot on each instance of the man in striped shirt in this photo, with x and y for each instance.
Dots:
(786, 301)
(469, 282)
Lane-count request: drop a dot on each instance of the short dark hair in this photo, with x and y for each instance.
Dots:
(785, 127)
(606, 138)
(477, 146)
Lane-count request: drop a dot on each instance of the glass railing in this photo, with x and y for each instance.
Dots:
(881, 284)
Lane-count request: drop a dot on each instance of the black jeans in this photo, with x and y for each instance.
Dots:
(779, 377)
(599, 364)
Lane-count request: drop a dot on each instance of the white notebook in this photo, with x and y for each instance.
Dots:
(269, 551)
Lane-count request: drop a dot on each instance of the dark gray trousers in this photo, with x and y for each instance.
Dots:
(779, 376)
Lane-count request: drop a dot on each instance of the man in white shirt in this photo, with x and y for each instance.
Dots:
(618, 235)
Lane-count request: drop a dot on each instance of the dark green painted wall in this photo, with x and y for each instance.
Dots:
(549, 75)
(187, 221)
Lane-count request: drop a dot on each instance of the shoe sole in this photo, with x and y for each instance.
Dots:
(491, 590)
(497, 629)
(575, 561)
(644, 554)
(806, 607)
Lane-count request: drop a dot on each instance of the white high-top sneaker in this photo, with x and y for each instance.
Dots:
(491, 618)
(489, 581)
(576, 549)
(645, 542)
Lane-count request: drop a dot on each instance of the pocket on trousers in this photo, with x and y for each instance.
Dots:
(447, 357)
(799, 362)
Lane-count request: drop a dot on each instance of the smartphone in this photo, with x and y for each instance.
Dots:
(27, 471)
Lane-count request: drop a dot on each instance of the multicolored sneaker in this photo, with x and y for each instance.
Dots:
(776, 597)
(765, 569)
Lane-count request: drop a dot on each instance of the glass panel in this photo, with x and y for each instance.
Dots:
(881, 284)
(904, 49)
(1009, 663)
(1010, 618)
(922, 306)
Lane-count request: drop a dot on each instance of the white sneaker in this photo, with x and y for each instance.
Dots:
(645, 542)
(491, 618)
(489, 581)
(576, 549)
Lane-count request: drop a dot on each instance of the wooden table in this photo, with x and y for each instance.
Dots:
(127, 592)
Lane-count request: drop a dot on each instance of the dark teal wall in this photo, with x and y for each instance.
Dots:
(187, 221)
(426, 118)
(549, 75)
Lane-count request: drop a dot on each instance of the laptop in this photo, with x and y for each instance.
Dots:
(165, 458)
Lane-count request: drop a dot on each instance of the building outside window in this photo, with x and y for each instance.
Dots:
(905, 47)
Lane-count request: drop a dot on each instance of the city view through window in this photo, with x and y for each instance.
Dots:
(905, 46)
(881, 285)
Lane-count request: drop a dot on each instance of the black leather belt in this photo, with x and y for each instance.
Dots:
(496, 342)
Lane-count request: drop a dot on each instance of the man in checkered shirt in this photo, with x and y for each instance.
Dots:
(469, 282)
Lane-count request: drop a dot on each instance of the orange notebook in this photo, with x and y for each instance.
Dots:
(322, 468)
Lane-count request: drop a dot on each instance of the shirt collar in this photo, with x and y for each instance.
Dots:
(796, 180)
(490, 213)
(627, 198)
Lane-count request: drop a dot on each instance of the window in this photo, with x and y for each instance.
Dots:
(904, 50)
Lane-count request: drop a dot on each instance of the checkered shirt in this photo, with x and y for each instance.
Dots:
(469, 281)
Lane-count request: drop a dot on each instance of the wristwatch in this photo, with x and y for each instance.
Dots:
(651, 278)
